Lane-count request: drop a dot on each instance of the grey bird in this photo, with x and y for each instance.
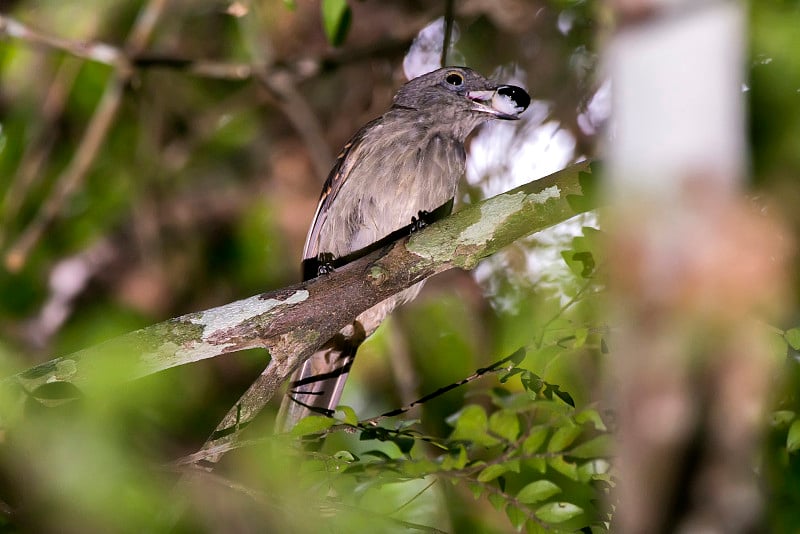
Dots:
(398, 170)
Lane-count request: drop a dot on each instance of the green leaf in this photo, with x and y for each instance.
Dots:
(792, 337)
(476, 489)
(590, 189)
(535, 528)
(313, 424)
(563, 437)
(593, 469)
(498, 501)
(581, 334)
(564, 467)
(335, 20)
(537, 464)
(537, 491)
(348, 415)
(598, 447)
(471, 424)
(516, 516)
(782, 417)
(534, 440)
(504, 424)
(793, 439)
(455, 460)
(591, 416)
(492, 472)
(558, 512)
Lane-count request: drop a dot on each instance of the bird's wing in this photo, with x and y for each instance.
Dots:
(345, 162)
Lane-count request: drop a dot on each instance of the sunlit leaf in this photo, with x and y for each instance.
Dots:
(558, 512)
(312, 424)
(348, 415)
(564, 467)
(471, 425)
(563, 438)
(537, 464)
(590, 470)
(492, 472)
(504, 424)
(594, 448)
(537, 491)
(535, 440)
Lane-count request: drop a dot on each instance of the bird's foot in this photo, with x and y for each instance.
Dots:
(324, 263)
(423, 219)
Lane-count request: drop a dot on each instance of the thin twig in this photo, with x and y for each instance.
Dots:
(495, 367)
(38, 149)
(449, 8)
(99, 52)
(72, 178)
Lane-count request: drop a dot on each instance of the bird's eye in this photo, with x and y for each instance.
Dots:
(454, 78)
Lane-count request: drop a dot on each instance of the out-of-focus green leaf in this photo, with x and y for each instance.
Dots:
(471, 425)
(504, 424)
(782, 417)
(563, 437)
(564, 467)
(793, 338)
(537, 491)
(592, 416)
(348, 415)
(498, 501)
(534, 440)
(793, 438)
(594, 448)
(492, 472)
(558, 512)
(312, 425)
(516, 516)
(335, 20)
(591, 470)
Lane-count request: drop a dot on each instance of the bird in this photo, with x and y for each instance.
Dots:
(397, 171)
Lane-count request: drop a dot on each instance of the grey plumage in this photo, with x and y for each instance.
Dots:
(406, 161)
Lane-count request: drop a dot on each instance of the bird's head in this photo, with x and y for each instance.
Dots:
(462, 95)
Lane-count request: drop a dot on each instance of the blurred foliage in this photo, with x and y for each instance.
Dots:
(201, 193)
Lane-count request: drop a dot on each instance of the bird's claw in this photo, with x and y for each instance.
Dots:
(324, 263)
(422, 220)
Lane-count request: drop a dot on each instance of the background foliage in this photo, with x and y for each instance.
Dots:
(200, 192)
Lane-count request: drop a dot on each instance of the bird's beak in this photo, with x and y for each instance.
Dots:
(506, 102)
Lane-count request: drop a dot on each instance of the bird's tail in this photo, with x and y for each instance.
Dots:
(317, 385)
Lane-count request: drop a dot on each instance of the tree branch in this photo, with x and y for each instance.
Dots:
(291, 323)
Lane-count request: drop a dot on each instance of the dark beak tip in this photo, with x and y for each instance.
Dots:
(517, 94)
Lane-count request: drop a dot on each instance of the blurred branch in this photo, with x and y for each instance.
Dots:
(293, 322)
(37, 151)
(71, 179)
(449, 7)
(99, 52)
(279, 81)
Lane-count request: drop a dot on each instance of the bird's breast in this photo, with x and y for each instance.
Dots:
(391, 183)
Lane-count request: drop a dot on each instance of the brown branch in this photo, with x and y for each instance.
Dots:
(293, 322)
